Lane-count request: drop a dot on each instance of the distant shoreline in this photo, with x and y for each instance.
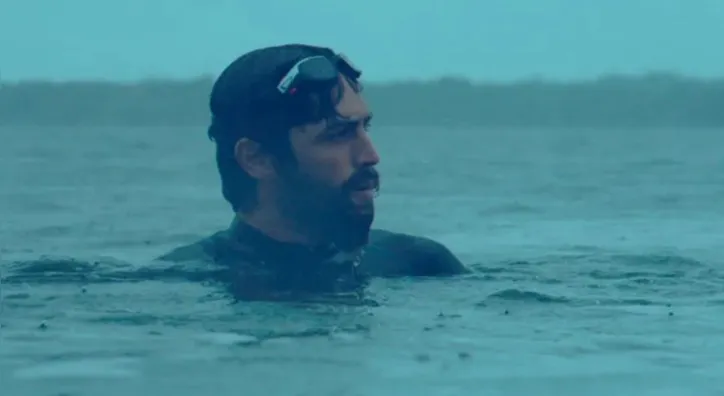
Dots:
(653, 100)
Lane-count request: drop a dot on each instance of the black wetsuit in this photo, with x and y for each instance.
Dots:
(258, 267)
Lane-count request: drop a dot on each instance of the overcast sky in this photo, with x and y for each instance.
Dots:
(480, 39)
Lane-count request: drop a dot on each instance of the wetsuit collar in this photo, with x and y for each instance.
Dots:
(272, 248)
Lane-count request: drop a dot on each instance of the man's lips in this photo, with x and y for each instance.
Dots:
(365, 191)
(365, 183)
(368, 185)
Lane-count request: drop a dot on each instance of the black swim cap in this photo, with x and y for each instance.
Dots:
(245, 101)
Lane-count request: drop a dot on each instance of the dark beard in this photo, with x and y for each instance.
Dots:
(328, 213)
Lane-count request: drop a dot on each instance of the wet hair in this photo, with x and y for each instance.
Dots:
(244, 102)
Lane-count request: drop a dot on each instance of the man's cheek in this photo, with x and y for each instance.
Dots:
(324, 170)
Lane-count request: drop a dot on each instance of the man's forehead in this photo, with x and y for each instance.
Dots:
(352, 106)
(350, 109)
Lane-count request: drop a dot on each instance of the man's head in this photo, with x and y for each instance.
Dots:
(291, 127)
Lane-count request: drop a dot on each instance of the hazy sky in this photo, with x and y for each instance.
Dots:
(482, 39)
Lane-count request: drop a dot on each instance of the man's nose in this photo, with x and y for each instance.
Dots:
(366, 154)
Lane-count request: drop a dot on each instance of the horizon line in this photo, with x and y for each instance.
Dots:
(537, 78)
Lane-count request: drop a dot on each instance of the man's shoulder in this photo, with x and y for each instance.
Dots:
(405, 241)
(393, 253)
(388, 254)
(205, 249)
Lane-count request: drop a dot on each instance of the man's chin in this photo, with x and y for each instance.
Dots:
(356, 233)
(364, 208)
(363, 198)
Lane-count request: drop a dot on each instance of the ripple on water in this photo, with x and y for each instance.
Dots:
(111, 368)
(589, 304)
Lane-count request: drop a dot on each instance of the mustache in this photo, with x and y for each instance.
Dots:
(362, 178)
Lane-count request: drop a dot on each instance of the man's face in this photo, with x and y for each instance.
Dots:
(331, 189)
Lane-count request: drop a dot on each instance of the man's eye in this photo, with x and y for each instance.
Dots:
(344, 133)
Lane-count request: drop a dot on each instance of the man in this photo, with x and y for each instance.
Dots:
(298, 167)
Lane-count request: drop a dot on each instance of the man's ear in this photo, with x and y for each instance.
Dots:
(255, 161)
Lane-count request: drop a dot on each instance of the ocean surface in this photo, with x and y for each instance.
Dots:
(598, 258)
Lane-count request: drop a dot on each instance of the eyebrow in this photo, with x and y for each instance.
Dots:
(356, 85)
(341, 120)
(338, 122)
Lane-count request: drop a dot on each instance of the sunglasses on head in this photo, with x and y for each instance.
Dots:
(317, 73)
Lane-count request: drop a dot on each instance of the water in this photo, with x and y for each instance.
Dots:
(598, 270)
